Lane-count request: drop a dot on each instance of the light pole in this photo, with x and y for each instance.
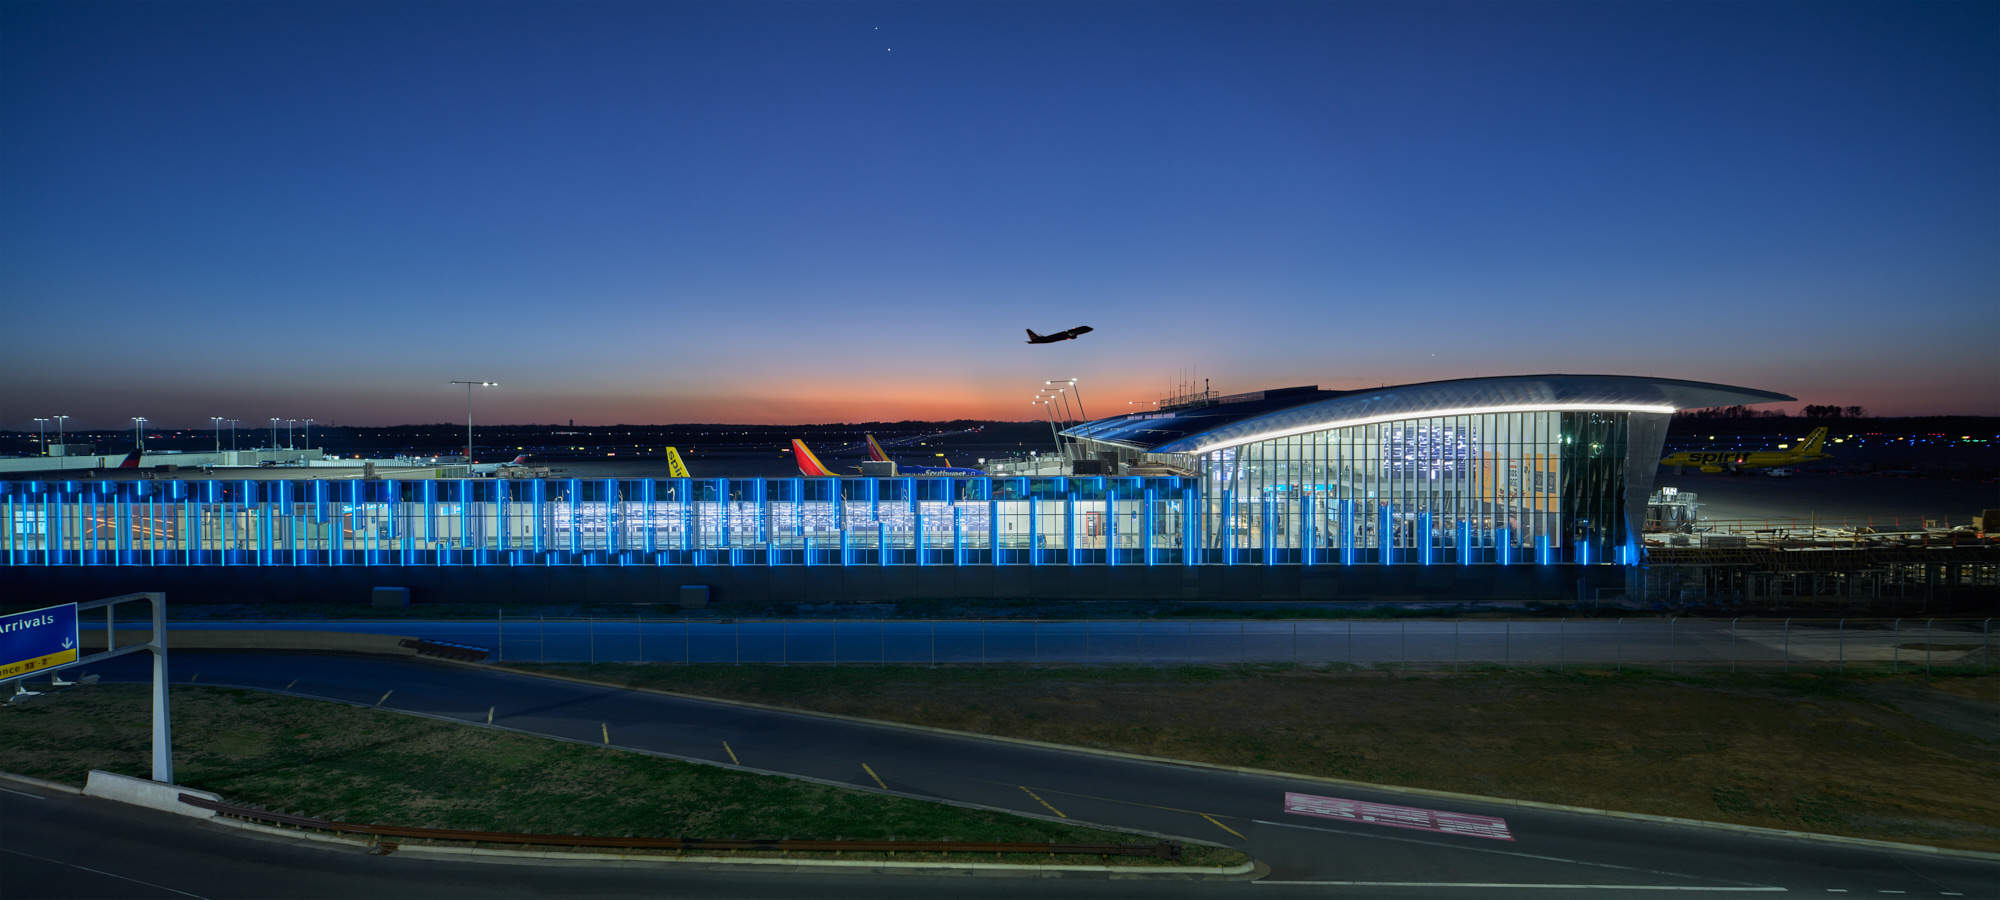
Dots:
(288, 433)
(232, 434)
(469, 385)
(309, 434)
(59, 434)
(139, 433)
(218, 432)
(274, 434)
(1081, 416)
(42, 434)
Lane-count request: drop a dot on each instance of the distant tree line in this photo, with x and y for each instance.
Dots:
(1811, 411)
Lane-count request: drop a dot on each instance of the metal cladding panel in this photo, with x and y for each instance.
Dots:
(1201, 430)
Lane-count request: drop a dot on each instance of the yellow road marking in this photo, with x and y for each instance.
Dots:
(489, 714)
(1038, 799)
(1212, 821)
(871, 774)
(607, 732)
(732, 753)
(289, 686)
(385, 696)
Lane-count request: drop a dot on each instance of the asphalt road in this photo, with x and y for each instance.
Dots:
(1572, 854)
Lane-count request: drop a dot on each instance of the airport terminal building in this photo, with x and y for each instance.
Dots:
(1523, 471)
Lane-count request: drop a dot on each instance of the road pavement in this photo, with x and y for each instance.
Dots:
(1576, 854)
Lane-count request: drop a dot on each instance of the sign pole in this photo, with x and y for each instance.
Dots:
(163, 729)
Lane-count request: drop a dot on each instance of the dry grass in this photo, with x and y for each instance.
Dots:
(346, 763)
(1904, 758)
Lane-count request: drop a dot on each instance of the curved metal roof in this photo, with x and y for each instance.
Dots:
(1230, 424)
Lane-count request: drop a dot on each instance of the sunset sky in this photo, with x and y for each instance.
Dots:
(779, 213)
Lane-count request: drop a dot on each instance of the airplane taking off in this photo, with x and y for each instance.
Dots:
(876, 453)
(491, 468)
(1736, 462)
(1069, 335)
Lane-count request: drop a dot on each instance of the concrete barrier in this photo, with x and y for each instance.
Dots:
(147, 793)
(272, 639)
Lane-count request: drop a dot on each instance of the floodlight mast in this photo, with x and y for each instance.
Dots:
(469, 385)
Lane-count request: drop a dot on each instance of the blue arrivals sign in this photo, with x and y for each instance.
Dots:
(38, 639)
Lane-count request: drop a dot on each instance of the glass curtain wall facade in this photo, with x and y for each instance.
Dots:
(1503, 488)
(682, 521)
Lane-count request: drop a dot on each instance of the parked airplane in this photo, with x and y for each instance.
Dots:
(811, 466)
(1736, 461)
(491, 468)
(1069, 335)
(675, 467)
(876, 453)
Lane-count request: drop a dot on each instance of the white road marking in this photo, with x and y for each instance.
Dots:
(102, 872)
(1470, 849)
(1539, 887)
(24, 793)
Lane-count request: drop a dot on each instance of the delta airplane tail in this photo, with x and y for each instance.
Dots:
(810, 464)
(131, 461)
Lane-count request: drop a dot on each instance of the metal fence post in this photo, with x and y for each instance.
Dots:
(1788, 645)
(1618, 644)
(1454, 644)
(1732, 644)
(1242, 652)
(1840, 646)
(1927, 645)
(1670, 644)
(1562, 641)
(1895, 640)
(1350, 642)
(1985, 644)
(1507, 645)
(1295, 643)
(1403, 651)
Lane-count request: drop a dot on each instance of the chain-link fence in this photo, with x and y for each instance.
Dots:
(1889, 645)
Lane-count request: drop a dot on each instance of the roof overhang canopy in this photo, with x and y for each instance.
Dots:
(1211, 428)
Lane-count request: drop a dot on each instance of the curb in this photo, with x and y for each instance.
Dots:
(827, 866)
(1758, 830)
(37, 782)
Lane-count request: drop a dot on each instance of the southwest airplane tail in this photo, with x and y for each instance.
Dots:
(810, 464)
(675, 467)
(875, 451)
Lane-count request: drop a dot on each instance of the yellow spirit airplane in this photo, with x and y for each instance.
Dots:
(1738, 460)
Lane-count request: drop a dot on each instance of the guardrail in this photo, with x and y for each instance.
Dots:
(1162, 849)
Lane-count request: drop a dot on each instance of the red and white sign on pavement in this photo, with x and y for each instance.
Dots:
(1398, 816)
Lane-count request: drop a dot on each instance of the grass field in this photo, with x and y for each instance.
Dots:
(1905, 758)
(347, 763)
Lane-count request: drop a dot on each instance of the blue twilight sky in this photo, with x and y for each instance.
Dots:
(632, 212)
